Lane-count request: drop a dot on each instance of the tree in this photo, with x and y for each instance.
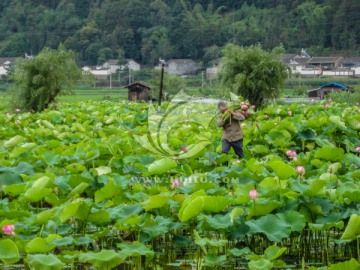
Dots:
(38, 81)
(253, 73)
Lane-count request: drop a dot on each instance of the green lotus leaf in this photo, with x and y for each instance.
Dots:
(152, 228)
(76, 168)
(214, 260)
(99, 217)
(294, 219)
(77, 208)
(261, 264)
(105, 259)
(261, 207)
(315, 187)
(14, 190)
(279, 138)
(274, 228)
(45, 262)
(191, 209)
(215, 203)
(239, 252)
(328, 177)
(236, 212)
(333, 168)
(51, 158)
(9, 178)
(66, 241)
(337, 120)
(83, 241)
(9, 252)
(21, 168)
(308, 134)
(354, 122)
(45, 215)
(38, 189)
(273, 252)
(102, 170)
(202, 242)
(282, 169)
(326, 226)
(260, 149)
(188, 199)
(156, 201)
(107, 192)
(330, 153)
(161, 166)
(39, 245)
(218, 222)
(17, 151)
(133, 249)
(351, 264)
(352, 229)
(78, 190)
(14, 141)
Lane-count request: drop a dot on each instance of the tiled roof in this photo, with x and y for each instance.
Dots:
(323, 60)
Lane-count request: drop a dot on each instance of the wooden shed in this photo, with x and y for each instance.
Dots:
(323, 90)
(139, 91)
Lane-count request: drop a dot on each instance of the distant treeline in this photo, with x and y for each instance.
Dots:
(145, 30)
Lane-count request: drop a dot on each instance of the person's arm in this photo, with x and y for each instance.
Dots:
(220, 121)
(237, 115)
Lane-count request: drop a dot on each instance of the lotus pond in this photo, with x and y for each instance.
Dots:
(113, 185)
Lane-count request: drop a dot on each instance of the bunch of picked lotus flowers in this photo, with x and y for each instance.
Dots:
(244, 107)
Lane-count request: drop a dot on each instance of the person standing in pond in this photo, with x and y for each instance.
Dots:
(232, 132)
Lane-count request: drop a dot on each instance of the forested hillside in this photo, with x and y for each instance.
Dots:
(145, 30)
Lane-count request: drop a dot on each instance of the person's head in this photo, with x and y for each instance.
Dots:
(222, 106)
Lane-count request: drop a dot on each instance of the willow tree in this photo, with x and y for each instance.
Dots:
(39, 80)
(253, 73)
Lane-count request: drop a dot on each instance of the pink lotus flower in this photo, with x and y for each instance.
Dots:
(291, 154)
(289, 113)
(330, 100)
(244, 107)
(184, 149)
(300, 170)
(357, 149)
(175, 183)
(9, 229)
(326, 105)
(253, 194)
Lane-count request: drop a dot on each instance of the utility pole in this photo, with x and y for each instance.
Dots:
(110, 79)
(129, 74)
(162, 62)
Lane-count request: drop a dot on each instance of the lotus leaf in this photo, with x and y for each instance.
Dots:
(161, 166)
(44, 262)
(352, 229)
(282, 170)
(9, 252)
(273, 227)
(329, 153)
(262, 264)
(104, 260)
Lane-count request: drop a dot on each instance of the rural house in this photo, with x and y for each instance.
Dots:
(323, 90)
(100, 73)
(138, 91)
(5, 64)
(326, 62)
(113, 65)
(181, 67)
